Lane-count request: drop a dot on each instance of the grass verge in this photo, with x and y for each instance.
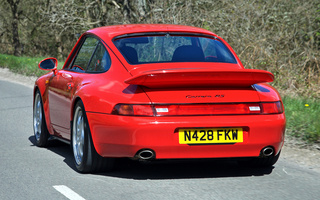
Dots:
(303, 118)
(23, 65)
(302, 113)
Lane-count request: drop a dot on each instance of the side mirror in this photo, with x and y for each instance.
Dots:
(48, 64)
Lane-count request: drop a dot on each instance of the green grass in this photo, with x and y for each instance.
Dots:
(23, 65)
(303, 118)
(303, 114)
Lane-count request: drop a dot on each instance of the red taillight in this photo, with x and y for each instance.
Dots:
(272, 108)
(198, 109)
(129, 109)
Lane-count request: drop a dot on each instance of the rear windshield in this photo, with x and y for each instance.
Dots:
(173, 48)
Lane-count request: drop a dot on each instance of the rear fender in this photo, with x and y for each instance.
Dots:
(266, 92)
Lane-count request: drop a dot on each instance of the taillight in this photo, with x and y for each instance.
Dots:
(272, 108)
(198, 109)
(131, 109)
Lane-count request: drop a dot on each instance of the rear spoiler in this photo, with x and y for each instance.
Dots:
(200, 78)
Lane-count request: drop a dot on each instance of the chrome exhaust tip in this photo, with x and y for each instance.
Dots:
(145, 154)
(267, 151)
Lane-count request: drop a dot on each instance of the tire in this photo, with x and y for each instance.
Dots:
(261, 162)
(86, 158)
(40, 129)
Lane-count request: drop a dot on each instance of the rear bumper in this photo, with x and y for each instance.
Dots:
(124, 136)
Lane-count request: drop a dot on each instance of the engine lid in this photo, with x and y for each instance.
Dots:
(196, 95)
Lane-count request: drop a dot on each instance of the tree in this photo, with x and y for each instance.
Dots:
(16, 13)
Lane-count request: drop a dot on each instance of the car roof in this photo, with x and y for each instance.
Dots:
(109, 32)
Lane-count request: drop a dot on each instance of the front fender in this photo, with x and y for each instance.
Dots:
(41, 86)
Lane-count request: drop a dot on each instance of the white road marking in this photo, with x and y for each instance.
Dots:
(284, 170)
(67, 192)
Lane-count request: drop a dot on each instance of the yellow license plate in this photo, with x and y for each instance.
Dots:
(210, 136)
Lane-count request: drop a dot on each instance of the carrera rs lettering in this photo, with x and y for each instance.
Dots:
(204, 96)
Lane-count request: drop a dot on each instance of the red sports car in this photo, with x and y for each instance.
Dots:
(157, 92)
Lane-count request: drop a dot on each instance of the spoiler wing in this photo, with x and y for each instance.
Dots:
(200, 78)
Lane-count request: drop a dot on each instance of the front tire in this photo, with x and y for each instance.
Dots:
(40, 129)
(86, 158)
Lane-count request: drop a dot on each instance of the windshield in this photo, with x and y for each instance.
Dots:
(173, 48)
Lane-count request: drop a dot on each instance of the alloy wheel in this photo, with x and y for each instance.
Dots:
(78, 136)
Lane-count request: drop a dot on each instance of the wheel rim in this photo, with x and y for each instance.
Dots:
(37, 117)
(78, 136)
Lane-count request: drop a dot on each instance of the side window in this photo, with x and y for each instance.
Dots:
(100, 60)
(92, 57)
(84, 55)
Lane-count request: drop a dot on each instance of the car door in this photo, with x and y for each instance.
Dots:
(91, 57)
(60, 96)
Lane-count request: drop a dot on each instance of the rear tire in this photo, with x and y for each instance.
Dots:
(86, 158)
(40, 129)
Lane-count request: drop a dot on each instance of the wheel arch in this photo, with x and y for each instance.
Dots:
(43, 90)
(73, 107)
(73, 104)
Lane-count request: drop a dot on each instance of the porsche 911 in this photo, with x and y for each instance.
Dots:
(152, 92)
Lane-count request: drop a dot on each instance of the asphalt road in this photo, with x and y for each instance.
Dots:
(29, 172)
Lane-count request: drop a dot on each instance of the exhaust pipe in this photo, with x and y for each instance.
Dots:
(145, 154)
(267, 151)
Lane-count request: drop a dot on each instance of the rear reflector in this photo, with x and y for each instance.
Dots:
(198, 109)
(254, 108)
